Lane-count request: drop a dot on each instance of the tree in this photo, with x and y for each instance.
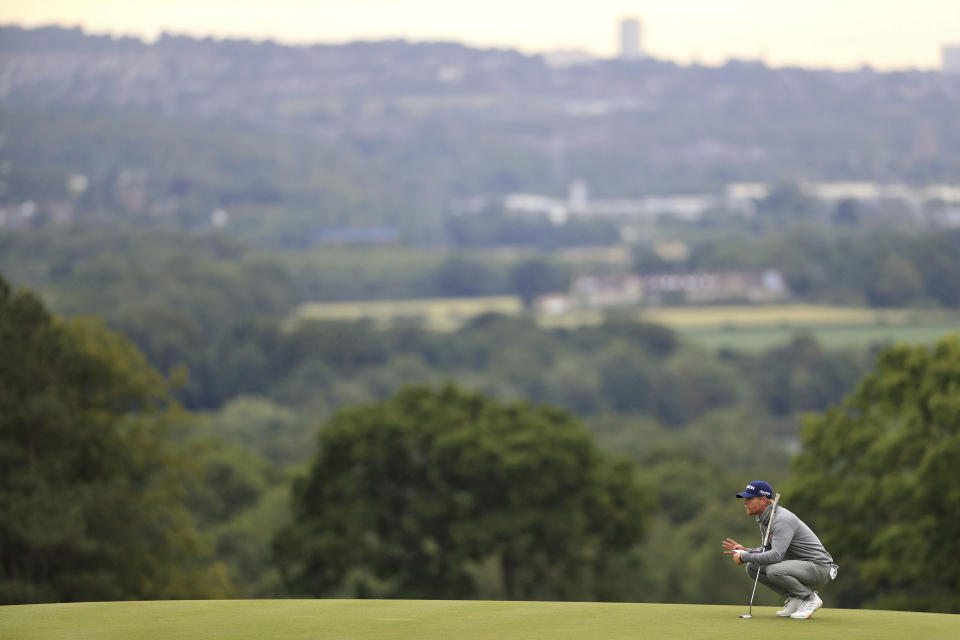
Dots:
(535, 277)
(239, 503)
(459, 275)
(937, 259)
(802, 376)
(878, 475)
(257, 424)
(897, 283)
(432, 492)
(786, 201)
(90, 480)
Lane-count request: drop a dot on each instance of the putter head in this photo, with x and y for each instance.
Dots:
(747, 615)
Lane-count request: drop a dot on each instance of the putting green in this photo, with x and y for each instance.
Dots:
(468, 620)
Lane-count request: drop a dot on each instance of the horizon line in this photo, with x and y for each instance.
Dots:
(532, 53)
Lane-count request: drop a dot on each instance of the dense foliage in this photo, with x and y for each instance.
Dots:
(218, 310)
(869, 268)
(91, 486)
(878, 473)
(416, 496)
(114, 502)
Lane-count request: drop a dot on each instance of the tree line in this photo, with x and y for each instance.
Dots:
(111, 490)
(877, 268)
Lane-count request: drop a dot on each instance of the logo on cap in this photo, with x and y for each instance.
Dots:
(756, 489)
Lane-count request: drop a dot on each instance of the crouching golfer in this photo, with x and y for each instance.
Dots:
(794, 561)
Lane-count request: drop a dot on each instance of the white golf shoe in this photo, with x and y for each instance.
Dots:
(807, 607)
(791, 605)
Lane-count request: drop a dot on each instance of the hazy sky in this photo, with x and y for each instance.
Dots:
(823, 33)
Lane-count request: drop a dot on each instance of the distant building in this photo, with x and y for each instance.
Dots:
(655, 289)
(631, 39)
(705, 288)
(580, 205)
(916, 198)
(219, 218)
(130, 189)
(579, 196)
(555, 304)
(951, 58)
(606, 292)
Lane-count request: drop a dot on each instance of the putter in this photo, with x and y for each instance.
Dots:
(766, 537)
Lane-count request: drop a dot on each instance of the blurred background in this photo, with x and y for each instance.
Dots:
(275, 277)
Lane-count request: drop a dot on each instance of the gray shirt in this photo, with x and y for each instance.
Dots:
(790, 539)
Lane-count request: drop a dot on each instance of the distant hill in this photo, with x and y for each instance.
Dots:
(391, 133)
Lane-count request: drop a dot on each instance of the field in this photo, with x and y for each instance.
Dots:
(743, 327)
(839, 337)
(762, 327)
(438, 314)
(468, 620)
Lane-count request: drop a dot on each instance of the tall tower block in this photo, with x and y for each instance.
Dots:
(631, 38)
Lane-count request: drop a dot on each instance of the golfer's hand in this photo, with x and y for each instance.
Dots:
(733, 548)
(732, 545)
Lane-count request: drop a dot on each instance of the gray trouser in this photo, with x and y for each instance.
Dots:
(796, 578)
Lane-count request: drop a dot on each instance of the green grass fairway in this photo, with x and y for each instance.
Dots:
(449, 620)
